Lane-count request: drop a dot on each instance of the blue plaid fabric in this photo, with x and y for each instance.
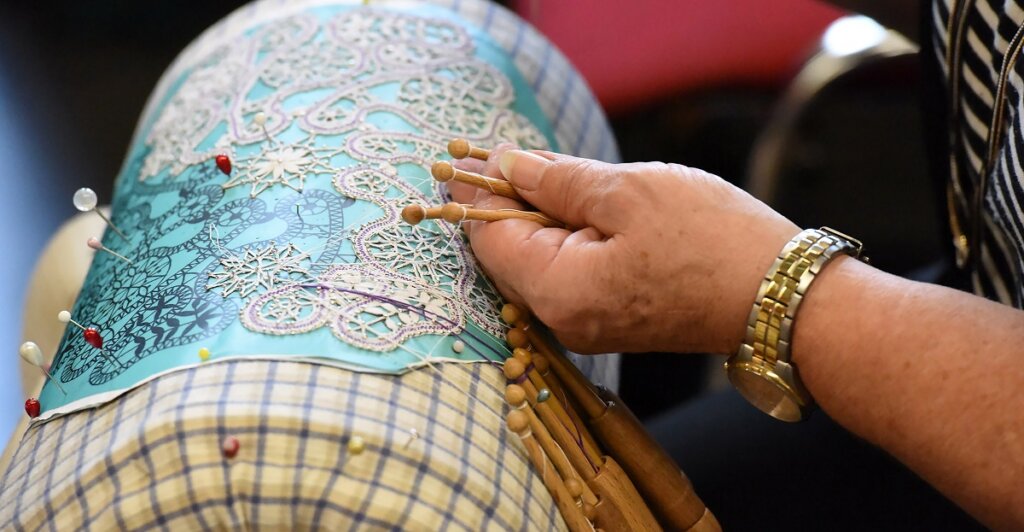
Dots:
(153, 458)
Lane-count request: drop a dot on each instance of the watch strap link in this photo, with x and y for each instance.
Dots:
(770, 323)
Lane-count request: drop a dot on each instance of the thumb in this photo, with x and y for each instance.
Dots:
(571, 189)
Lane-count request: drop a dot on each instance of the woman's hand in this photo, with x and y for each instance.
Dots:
(663, 257)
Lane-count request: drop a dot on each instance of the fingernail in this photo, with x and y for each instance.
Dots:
(522, 168)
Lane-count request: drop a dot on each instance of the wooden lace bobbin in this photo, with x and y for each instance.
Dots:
(574, 519)
(444, 171)
(513, 370)
(455, 213)
(578, 428)
(461, 148)
(543, 367)
(577, 489)
(515, 396)
(656, 475)
(619, 506)
(540, 362)
(414, 214)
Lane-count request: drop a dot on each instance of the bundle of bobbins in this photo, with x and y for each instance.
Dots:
(455, 212)
(600, 465)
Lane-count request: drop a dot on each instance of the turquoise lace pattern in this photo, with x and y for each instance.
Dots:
(330, 118)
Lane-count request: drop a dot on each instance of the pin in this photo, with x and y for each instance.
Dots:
(85, 200)
(455, 213)
(356, 445)
(32, 407)
(261, 120)
(31, 353)
(94, 243)
(299, 214)
(413, 435)
(543, 395)
(223, 164)
(230, 446)
(461, 148)
(90, 334)
(444, 171)
(65, 317)
(204, 354)
(458, 346)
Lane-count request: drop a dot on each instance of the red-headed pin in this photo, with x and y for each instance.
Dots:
(32, 407)
(90, 334)
(230, 446)
(223, 163)
(31, 353)
(95, 243)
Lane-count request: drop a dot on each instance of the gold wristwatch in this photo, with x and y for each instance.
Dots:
(761, 370)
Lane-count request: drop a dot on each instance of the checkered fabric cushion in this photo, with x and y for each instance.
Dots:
(153, 458)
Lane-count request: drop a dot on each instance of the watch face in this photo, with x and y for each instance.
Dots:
(763, 388)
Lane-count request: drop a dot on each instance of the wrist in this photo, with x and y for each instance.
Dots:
(744, 284)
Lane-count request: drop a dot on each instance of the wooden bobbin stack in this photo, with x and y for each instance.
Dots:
(600, 465)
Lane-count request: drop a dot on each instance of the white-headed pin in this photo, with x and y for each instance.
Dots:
(260, 119)
(85, 200)
(31, 353)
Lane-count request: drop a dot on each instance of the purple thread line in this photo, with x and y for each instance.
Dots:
(418, 310)
(525, 376)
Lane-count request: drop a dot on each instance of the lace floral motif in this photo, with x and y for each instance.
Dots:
(258, 268)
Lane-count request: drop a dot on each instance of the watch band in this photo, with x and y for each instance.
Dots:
(761, 368)
(770, 324)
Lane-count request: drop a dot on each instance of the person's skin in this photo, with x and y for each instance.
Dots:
(669, 258)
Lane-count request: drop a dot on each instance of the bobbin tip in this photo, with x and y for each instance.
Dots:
(515, 395)
(574, 487)
(517, 338)
(523, 355)
(459, 148)
(443, 171)
(453, 212)
(511, 314)
(517, 421)
(414, 214)
(513, 369)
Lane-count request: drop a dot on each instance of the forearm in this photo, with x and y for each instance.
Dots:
(930, 374)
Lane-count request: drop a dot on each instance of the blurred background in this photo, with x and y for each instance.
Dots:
(742, 91)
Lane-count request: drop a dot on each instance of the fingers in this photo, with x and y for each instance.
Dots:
(570, 189)
(463, 193)
(527, 258)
